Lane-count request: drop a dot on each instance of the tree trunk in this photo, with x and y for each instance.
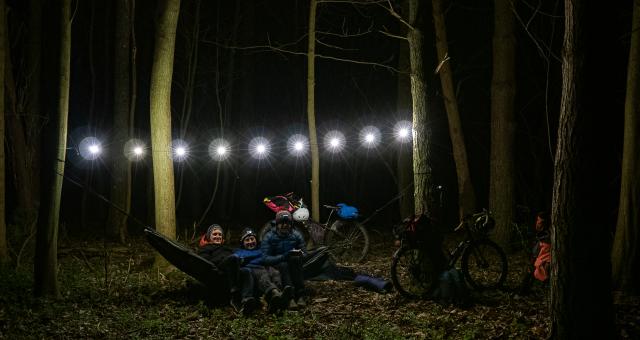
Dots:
(466, 193)
(311, 114)
(161, 75)
(625, 255)
(46, 259)
(23, 126)
(404, 161)
(580, 269)
(120, 166)
(422, 177)
(4, 252)
(501, 187)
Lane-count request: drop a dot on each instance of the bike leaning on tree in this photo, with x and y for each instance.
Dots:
(483, 262)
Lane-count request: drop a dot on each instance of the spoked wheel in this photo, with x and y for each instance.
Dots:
(412, 273)
(484, 265)
(348, 241)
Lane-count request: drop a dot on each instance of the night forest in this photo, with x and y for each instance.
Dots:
(129, 118)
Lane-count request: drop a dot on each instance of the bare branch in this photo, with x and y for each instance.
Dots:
(394, 13)
(318, 41)
(393, 35)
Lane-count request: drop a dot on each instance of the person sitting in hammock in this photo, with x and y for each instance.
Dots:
(239, 280)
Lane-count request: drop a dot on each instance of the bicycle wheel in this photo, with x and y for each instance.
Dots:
(484, 265)
(412, 273)
(348, 241)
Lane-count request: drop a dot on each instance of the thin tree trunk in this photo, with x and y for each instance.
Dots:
(625, 256)
(46, 259)
(161, 75)
(311, 114)
(501, 187)
(120, 167)
(466, 193)
(580, 268)
(422, 176)
(404, 161)
(4, 252)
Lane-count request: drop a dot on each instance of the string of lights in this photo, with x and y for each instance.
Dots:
(91, 148)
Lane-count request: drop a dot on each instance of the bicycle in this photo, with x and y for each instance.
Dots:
(414, 272)
(346, 238)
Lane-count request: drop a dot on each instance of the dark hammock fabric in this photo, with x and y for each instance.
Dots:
(317, 265)
(189, 262)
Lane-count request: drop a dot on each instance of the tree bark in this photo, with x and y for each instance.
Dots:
(501, 187)
(120, 166)
(466, 193)
(4, 252)
(580, 269)
(625, 256)
(46, 259)
(404, 161)
(161, 75)
(311, 114)
(422, 176)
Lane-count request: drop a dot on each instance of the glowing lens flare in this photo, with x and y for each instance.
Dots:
(403, 131)
(259, 148)
(90, 148)
(180, 150)
(219, 149)
(298, 145)
(134, 150)
(334, 141)
(370, 136)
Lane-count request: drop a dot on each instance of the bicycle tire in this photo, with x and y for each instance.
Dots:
(348, 241)
(412, 273)
(484, 265)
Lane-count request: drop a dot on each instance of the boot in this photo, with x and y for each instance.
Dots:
(274, 300)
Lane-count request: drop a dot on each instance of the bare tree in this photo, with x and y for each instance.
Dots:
(46, 259)
(311, 114)
(161, 76)
(580, 268)
(466, 193)
(120, 166)
(625, 256)
(4, 253)
(503, 84)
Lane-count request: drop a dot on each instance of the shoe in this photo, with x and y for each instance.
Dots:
(235, 303)
(301, 301)
(275, 300)
(293, 305)
(287, 294)
(248, 306)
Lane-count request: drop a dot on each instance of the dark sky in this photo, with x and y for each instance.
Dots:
(265, 94)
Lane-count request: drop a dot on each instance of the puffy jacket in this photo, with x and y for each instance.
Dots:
(249, 257)
(275, 248)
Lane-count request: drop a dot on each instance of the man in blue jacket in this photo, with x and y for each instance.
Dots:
(283, 247)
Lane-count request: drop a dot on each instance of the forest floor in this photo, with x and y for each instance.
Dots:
(134, 301)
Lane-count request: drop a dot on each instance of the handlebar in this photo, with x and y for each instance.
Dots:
(332, 207)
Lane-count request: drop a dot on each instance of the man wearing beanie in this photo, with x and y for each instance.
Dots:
(240, 282)
(283, 248)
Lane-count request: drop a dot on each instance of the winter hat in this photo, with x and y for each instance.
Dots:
(212, 228)
(282, 216)
(246, 232)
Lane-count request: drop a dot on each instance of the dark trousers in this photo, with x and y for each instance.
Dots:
(266, 278)
(292, 275)
(239, 280)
